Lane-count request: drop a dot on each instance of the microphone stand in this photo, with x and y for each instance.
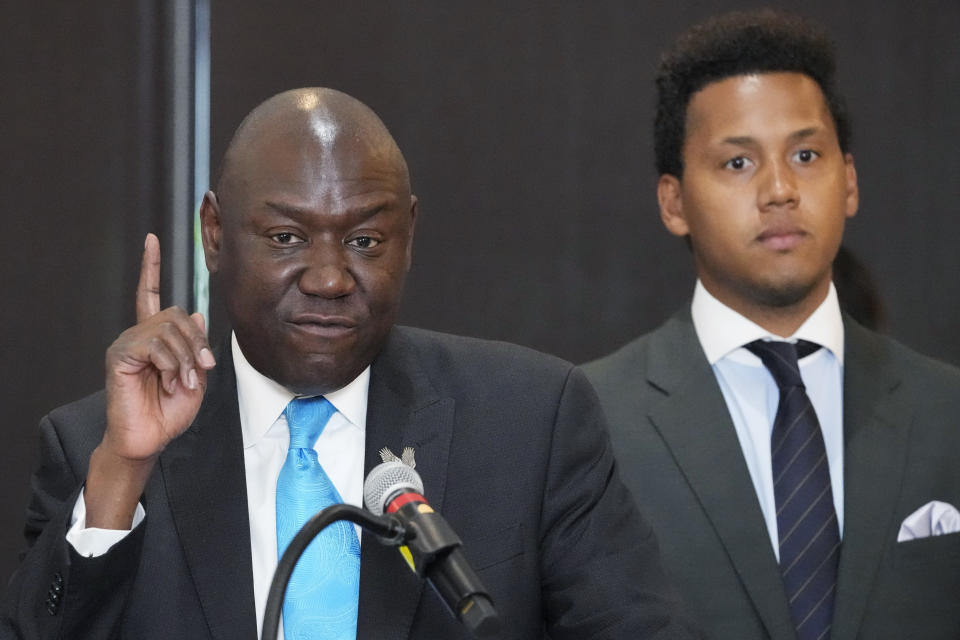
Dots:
(386, 527)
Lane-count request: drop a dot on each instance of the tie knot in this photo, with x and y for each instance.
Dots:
(306, 418)
(780, 358)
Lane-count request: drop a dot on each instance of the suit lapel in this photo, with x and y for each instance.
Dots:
(876, 430)
(403, 410)
(695, 423)
(203, 472)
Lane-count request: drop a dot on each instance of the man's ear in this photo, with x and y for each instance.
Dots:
(853, 190)
(211, 230)
(413, 225)
(670, 197)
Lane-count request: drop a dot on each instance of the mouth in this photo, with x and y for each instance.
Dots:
(322, 326)
(782, 238)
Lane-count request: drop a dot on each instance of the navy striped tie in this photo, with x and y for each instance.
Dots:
(809, 535)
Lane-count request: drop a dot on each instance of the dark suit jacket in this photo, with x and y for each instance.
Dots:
(679, 454)
(512, 450)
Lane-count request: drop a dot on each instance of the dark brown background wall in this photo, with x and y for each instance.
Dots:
(81, 134)
(527, 129)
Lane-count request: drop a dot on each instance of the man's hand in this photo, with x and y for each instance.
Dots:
(155, 379)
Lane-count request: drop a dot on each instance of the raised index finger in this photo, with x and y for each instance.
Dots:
(148, 289)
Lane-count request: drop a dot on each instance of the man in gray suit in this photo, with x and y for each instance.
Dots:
(850, 531)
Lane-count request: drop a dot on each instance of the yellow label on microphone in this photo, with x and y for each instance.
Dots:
(405, 552)
(424, 508)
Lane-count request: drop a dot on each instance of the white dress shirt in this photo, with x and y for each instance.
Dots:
(266, 438)
(752, 394)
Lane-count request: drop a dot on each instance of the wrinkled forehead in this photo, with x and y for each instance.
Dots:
(306, 142)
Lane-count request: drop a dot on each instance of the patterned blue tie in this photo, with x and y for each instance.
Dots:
(806, 519)
(322, 596)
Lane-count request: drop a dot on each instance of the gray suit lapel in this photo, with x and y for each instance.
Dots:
(876, 431)
(203, 473)
(695, 423)
(403, 410)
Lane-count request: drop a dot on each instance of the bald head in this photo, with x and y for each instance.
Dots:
(324, 122)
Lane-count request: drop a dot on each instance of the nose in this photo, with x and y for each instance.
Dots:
(326, 273)
(778, 186)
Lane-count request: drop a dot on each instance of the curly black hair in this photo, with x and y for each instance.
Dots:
(736, 44)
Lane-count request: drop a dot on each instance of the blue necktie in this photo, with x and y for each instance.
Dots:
(806, 519)
(321, 598)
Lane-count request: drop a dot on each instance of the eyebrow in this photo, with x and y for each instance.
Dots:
(746, 141)
(286, 209)
(802, 134)
(293, 211)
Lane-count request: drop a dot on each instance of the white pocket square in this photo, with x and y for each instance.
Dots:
(932, 519)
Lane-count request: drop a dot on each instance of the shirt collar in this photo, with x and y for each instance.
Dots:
(263, 400)
(721, 330)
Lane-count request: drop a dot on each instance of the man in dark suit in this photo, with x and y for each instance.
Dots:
(155, 504)
(836, 534)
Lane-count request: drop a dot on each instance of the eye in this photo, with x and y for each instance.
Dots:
(738, 164)
(285, 237)
(363, 242)
(806, 156)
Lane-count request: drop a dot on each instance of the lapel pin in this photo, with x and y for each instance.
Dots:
(407, 457)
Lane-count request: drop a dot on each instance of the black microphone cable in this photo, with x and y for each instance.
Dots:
(387, 528)
(428, 544)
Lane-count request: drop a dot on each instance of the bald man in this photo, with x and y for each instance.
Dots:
(156, 507)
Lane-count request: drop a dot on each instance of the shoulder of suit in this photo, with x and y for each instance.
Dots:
(913, 366)
(628, 358)
(631, 358)
(86, 409)
(77, 427)
(444, 351)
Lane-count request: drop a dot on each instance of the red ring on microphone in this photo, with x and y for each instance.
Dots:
(404, 498)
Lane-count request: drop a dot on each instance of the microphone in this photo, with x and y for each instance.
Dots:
(431, 548)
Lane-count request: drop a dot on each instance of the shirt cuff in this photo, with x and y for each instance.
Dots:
(92, 542)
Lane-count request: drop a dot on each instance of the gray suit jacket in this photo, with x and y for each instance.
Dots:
(679, 454)
(512, 450)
